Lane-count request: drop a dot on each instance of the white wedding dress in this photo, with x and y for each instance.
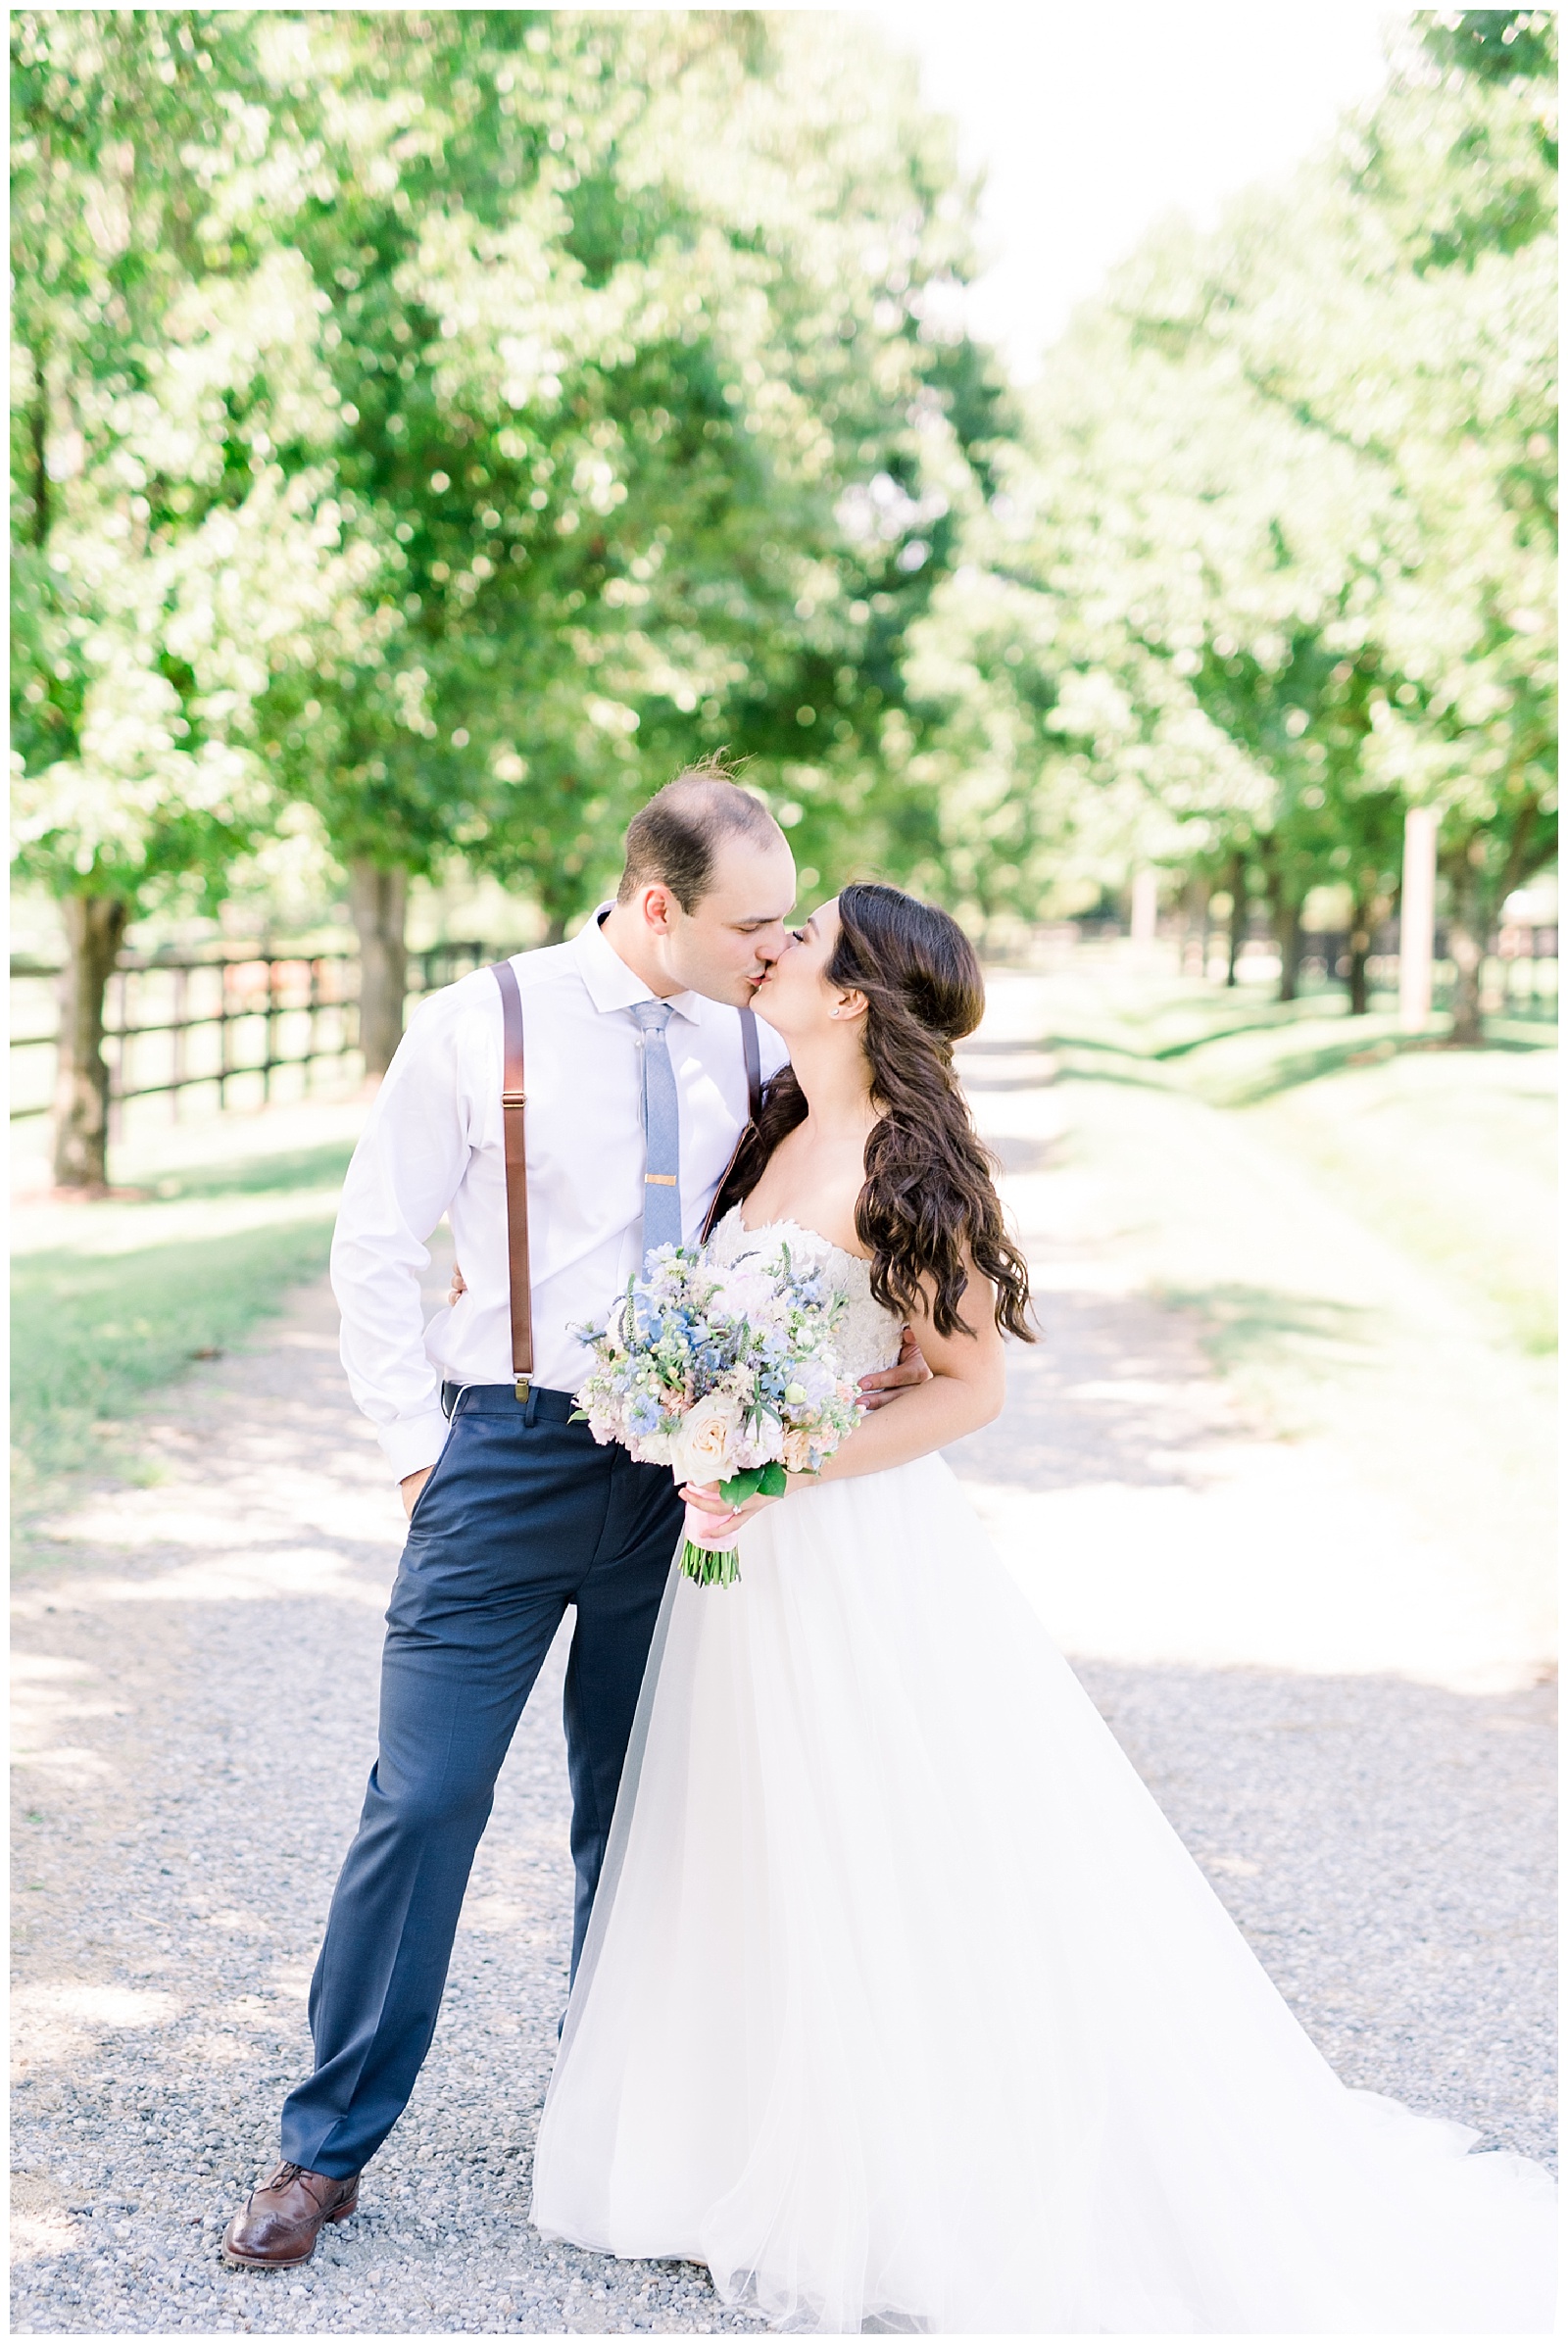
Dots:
(903, 2007)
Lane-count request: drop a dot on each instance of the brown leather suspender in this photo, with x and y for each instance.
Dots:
(515, 1149)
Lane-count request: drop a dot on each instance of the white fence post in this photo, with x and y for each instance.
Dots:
(1146, 905)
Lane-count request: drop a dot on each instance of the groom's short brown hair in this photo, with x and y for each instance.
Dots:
(673, 838)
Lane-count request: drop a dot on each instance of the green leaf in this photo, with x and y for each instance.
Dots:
(742, 1485)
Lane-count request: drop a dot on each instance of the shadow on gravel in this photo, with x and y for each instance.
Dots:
(1118, 1390)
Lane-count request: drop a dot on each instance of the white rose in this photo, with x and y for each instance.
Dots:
(699, 1449)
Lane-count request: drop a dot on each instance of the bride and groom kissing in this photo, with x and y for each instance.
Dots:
(895, 2000)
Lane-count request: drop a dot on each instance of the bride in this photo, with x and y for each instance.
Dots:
(902, 2006)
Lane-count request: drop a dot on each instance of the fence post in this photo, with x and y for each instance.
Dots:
(1146, 905)
(1417, 908)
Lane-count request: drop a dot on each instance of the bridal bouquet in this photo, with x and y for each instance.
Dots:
(722, 1374)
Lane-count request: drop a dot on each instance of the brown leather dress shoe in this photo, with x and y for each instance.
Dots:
(283, 2217)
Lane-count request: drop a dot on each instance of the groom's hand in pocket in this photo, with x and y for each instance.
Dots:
(886, 1384)
(410, 1486)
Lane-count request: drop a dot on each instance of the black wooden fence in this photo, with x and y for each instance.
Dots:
(213, 1018)
(237, 1014)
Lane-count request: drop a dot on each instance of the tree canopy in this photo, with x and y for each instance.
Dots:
(1276, 558)
(432, 428)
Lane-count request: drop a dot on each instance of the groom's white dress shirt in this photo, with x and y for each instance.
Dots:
(432, 1146)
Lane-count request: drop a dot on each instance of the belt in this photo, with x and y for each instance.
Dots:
(541, 1406)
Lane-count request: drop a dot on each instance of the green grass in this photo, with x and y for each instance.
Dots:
(255, 1174)
(1451, 1154)
(104, 1320)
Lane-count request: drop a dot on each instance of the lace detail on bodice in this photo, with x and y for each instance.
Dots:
(867, 1337)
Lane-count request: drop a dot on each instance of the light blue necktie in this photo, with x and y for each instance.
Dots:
(660, 1130)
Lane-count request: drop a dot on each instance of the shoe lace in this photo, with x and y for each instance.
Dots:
(284, 2174)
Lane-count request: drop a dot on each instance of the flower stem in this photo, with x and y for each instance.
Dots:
(710, 1566)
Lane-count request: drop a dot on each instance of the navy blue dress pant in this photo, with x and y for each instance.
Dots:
(524, 1514)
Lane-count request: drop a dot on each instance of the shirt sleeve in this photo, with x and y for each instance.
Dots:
(406, 1168)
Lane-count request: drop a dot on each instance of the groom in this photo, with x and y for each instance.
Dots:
(637, 1091)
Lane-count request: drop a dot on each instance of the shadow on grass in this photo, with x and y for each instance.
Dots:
(1109, 1063)
(1129, 1068)
(1260, 1326)
(1278, 1023)
(1292, 1069)
(255, 1174)
(93, 1334)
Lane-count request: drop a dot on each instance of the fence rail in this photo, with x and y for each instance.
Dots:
(181, 1021)
(1519, 969)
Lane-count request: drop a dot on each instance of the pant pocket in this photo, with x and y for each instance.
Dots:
(434, 1475)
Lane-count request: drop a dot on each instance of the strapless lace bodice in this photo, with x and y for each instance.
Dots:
(867, 1337)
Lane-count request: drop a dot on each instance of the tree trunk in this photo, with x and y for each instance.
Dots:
(1289, 923)
(378, 901)
(1285, 910)
(95, 926)
(1467, 935)
(1238, 923)
(1358, 948)
(555, 930)
(38, 428)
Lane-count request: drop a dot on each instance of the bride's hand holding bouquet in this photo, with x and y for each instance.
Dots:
(730, 1375)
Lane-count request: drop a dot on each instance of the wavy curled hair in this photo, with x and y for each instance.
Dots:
(930, 1195)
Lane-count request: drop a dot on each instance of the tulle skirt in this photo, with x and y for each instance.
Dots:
(903, 2007)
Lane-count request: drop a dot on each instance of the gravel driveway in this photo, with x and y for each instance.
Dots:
(196, 1703)
(195, 1713)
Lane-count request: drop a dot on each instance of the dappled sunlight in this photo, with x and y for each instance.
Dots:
(41, 2224)
(249, 1579)
(110, 1229)
(239, 1923)
(60, 2026)
(1280, 1561)
(1259, 1430)
(46, 1704)
(215, 2050)
(503, 1915)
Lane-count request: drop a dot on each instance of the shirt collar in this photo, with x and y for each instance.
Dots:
(611, 983)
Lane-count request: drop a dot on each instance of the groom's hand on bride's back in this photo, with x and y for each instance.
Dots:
(886, 1384)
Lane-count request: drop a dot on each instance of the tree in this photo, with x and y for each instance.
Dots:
(1284, 529)
(171, 565)
(581, 391)
(636, 324)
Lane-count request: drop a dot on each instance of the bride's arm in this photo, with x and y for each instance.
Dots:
(966, 1388)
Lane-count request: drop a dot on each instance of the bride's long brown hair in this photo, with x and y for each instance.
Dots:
(930, 1189)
